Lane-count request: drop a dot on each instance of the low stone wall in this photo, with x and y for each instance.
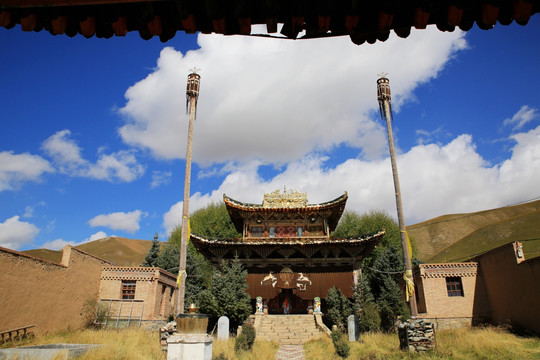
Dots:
(416, 335)
(450, 322)
(166, 332)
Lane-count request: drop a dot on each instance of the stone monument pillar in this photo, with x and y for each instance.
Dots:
(223, 328)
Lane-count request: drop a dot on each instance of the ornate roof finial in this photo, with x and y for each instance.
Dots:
(294, 199)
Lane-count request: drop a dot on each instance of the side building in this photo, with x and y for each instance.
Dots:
(497, 287)
(44, 297)
(137, 294)
(51, 297)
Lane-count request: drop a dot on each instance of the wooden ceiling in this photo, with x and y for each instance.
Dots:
(363, 21)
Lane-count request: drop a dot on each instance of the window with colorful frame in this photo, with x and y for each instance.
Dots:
(454, 286)
(128, 289)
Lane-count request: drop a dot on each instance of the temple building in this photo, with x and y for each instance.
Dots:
(288, 251)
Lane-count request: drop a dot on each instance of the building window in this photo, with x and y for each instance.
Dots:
(300, 232)
(272, 231)
(128, 289)
(454, 287)
(256, 231)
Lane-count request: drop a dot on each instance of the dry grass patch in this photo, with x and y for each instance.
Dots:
(262, 350)
(479, 343)
(140, 344)
(131, 343)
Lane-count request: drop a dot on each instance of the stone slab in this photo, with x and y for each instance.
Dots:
(46, 352)
(223, 328)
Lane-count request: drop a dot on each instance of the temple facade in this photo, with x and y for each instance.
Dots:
(292, 260)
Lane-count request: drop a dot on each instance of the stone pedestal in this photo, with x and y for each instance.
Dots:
(189, 347)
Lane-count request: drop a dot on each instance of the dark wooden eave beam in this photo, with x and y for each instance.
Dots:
(51, 3)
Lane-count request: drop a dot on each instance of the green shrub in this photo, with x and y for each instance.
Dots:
(340, 344)
(95, 313)
(220, 357)
(246, 339)
(369, 318)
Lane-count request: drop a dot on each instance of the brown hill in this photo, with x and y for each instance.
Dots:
(475, 232)
(118, 250)
(45, 254)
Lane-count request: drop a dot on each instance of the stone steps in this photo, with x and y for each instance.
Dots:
(288, 329)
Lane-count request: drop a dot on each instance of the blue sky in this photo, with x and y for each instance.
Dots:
(93, 131)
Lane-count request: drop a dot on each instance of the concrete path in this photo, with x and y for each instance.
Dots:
(290, 352)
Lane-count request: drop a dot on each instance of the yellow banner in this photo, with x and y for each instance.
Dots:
(181, 274)
(409, 284)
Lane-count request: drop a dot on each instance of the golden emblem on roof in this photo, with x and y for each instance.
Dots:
(292, 199)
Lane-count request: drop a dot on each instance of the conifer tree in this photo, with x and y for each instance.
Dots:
(338, 308)
(228, 294)
(379, 294)
(153, 254)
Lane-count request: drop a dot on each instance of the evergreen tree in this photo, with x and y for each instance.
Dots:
(198, 268)
(169, 257)
(228, 294)
(338, 308)
(153, 254)
(383, 279)
(212, 221)
(199, 275)
(365, 308)
(378, 294)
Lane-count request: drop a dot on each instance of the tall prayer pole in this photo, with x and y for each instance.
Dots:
(384, 98)
(192, 95)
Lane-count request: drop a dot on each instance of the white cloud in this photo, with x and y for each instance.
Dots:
(96, 236)
(18, 168)
(15, 233)
(160, 178)
(126, 221)
(524, 116)
(29, 210)
(57, 244)
(258, 95)
(64, 151)
(121, 165)
(434, 179)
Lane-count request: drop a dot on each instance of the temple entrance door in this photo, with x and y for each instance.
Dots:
(287, 302)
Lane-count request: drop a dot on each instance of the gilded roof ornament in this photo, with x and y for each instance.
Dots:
(292, 199)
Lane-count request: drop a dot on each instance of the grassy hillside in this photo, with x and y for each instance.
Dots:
(476, 232)
(46, 254)
(524, 228)
(118, 250)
